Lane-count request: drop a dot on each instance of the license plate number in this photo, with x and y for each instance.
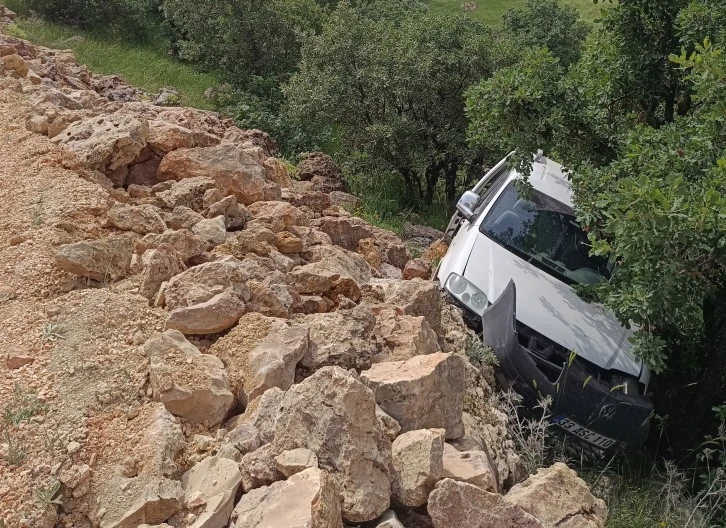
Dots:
(585, 434)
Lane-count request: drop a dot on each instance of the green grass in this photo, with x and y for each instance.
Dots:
(491, 11)
(145, 66)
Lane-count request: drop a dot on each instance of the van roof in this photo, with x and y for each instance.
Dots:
(547, 177)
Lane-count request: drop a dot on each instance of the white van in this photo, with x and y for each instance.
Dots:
(515, 253)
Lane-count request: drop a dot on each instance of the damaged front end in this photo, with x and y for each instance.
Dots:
(605, 410)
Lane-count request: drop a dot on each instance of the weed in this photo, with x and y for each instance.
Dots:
(14, 31)
(51, 438)
(22, 406)
(480, 355)
(47, 496)
(16, 451)
(530, 434)
(51, 332)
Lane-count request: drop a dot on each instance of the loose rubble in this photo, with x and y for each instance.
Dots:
(206, 339)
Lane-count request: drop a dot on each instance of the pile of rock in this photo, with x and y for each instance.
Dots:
(309, 374)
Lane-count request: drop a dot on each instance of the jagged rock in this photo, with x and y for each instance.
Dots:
(162, 264)
(16, 361)
(558, 497)
(103, 259)
(423, 392)
(415, 297)
(259, 336)
(104, 143)
(185, 243)
(347, 201)
(417, 268)
(314, 304)
(421, 231)
(307, 499)
(333, 414)
(316, 201)
(182, 217)
(386, 424)
(341, 338)
(473, 467)
(253, 137)
(464, 505)
(76, 478)
(213, 482)
(276, 172)
(218, 313)
(390, 272)
(349, 231)
(262, 413)
(259, 468)
(287, 243)
(37, 124)
(370, 251)
(272, 363)
(213, 230)
(255, 238)
(232, 167)
(417, 465)
(436, 251)
(295, 460)
(190, 384)
(141, 219)
(318, 164)
(270, 299)
(278, 216)
(15, 65)
(188, 192)
(151, 495)
(235, 215)
(401, 337)
(165, 137)
(200, 283)
(245, 438)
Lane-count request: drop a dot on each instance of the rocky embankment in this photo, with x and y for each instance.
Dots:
(194, 337)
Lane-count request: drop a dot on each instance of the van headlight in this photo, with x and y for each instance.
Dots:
(463, 290)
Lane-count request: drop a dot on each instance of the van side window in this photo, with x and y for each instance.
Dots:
(491, 190)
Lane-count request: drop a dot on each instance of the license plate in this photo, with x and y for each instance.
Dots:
(585, 434)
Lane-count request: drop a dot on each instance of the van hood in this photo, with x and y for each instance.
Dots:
(551, 307)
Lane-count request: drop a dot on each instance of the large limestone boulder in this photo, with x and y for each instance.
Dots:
(263, 336)
(277, 215)
(308, 499)
(213, 230)
(415, 297)
(417, 465)
(213, 483)
(165, 137)
(559, 498)
(473, 467)
(272, 363)
(259, 468)
(334, 415)
(423, 392)
(185, 243)
(103, 259)
(207, 298)
(235, 170)
(160, 265)
(140, 219)
(190, 384)
(104, 143)
(401, 337)
(151, 494)
(464, 505)
(188, 192)
(341, 338)
(295, 460)
(262, 413)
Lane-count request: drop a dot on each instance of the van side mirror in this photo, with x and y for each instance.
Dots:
(467, 204)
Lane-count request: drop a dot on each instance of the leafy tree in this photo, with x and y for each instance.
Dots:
(253, 44)
(391, 77)
(547, 23)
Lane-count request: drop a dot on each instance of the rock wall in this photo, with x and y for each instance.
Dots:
(222, 343)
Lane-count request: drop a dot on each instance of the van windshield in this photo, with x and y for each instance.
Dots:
(544, 232)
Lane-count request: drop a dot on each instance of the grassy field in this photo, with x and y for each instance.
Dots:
(146, 66)
(490, 11)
